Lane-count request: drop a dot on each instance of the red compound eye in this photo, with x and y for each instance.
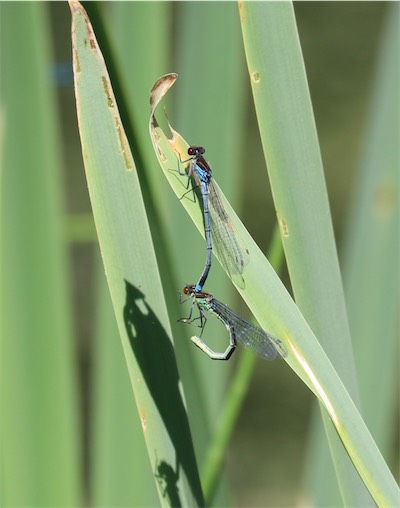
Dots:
(190, 150)
(186, 289)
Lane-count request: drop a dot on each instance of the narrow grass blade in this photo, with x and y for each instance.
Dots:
(294, 164)
(290, 143)
(118, 445)
(40, 441)
(132, 273)
(371, 258)
(277, 313)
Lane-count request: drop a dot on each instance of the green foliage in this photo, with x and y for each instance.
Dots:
(81, 416)
(40, 463)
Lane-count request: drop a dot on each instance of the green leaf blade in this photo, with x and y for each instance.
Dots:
(290, 143)
(132, 272)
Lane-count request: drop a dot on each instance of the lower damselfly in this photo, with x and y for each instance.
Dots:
(240, 330)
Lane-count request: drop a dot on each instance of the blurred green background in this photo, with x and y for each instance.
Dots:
(57, 362)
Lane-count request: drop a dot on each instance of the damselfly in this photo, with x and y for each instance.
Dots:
(217, 224)
(240, 330)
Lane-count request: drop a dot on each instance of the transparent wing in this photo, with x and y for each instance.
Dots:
(249, 335)
(227, 241)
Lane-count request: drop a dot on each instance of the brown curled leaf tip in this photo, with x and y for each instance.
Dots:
(160, 88)
(73, 5)
(76, 6)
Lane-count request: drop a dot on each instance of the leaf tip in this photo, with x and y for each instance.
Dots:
(160, 88)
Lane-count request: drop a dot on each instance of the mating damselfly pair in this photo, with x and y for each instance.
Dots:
(221, 234)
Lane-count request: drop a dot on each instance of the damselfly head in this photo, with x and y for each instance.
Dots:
(196, 150)
(188, 290)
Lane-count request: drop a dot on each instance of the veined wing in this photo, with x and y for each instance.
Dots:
(251, 336)
(227, 241)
